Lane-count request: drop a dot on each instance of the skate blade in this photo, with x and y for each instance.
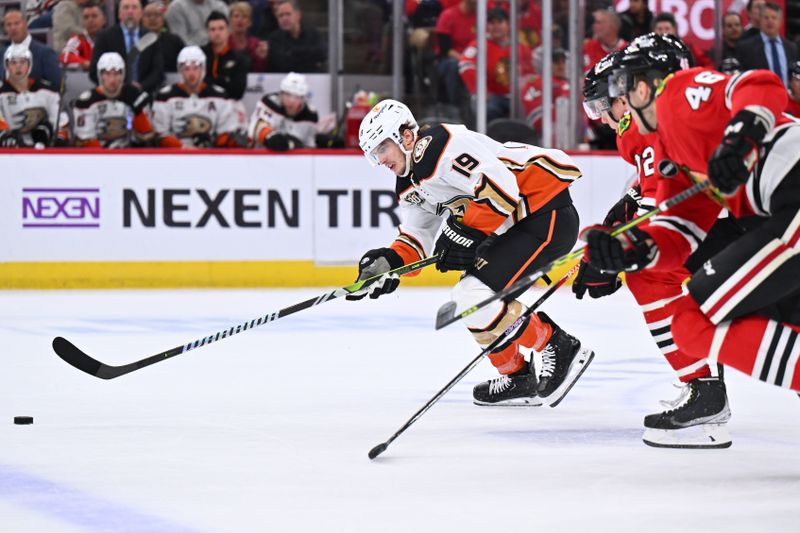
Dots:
(516, 402)
(576, 370)
(701, 436)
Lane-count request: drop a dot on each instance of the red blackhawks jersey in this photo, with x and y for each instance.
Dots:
(77, 50)
(489, 186)
(693, 108)
(532, 94)
(498, 62)
(638, 150)
(111, 122)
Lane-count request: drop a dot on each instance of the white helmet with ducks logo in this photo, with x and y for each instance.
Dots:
(17, 51)
(384, 122)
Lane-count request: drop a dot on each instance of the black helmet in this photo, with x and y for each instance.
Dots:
(730, 66)
(595, 86)
(652, 55)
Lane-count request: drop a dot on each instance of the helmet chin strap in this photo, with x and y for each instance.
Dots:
(640, 110)
(406, 153)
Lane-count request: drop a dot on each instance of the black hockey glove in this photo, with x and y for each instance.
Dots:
(9, 139)
(202, 140)
(282, 142)
(625, 209)
(629, 251)
(42, 134)
(735, 158)
(374, 263)
(456, 246)
(598, 284)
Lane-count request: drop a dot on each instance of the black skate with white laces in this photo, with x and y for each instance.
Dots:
(697, 419)
(563, 362)
(515, 390)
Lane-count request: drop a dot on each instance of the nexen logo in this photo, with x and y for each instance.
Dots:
(60, 208)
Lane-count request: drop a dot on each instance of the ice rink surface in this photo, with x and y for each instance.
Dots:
(269, 431)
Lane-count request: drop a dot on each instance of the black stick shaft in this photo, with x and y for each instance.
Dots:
(466, 370)
(82, 361)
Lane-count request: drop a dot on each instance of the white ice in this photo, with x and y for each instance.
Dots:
(268, 431)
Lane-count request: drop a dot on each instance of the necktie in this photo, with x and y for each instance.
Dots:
(128, 41)
(776, 62)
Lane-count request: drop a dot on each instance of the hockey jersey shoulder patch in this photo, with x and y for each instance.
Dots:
(428, 150)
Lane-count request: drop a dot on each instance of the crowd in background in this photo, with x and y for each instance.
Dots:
(242, 37)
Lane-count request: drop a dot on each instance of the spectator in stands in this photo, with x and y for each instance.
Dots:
(78, 50)
(144, 65)
(169, 45)
(769, 50)
(498, 77)
(187, 19)
(532, 93)
(753, 27)
(45, 60)
(241, 40)
(67, 21)
(113, 114)
(793, 106)
(731, 33)
(264, 19)
(636, 21)
(730, 66)
(225, 67)
(285, 120)
(455, 29)
(294, 46)
(665, 24)
(605, 37)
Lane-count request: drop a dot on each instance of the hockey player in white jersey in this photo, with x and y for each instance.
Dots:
(285, 120)
(508, 212)
(193, 114)
(30, 107)
(113, 114)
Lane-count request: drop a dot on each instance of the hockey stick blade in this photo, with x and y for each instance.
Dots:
(446, 314)
(79, 359)
(377, 450)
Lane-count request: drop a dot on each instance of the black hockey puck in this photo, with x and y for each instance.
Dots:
(23, 420)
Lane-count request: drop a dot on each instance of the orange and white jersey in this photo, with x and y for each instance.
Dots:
(487, 185)
(24, 111)
(191, 116)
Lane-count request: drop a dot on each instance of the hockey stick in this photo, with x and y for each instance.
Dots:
(61, 88)
(85, 363)
(447, 315)
(380, 448)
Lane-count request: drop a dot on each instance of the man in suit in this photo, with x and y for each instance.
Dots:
(768, 50)
(144, 65)
(45, 60)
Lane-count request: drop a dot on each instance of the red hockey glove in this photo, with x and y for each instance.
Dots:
(735, 158)
(627, 252)
(456, 246)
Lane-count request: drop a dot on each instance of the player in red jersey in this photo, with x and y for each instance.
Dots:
(656, 292)
(743, 306)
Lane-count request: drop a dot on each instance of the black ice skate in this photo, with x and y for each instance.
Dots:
(515, 390)
(563, 362)
(696, 420)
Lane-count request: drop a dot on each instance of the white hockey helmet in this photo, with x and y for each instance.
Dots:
(384, 122)
(295, 84)
(17, 51)
(193, 55)
(110, 61)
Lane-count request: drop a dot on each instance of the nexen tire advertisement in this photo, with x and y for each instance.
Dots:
(218, 206)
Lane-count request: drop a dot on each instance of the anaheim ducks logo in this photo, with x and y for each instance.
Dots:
(420, 147)
(195, 125)
(29, 118)
(456, 205)
(112, 128)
